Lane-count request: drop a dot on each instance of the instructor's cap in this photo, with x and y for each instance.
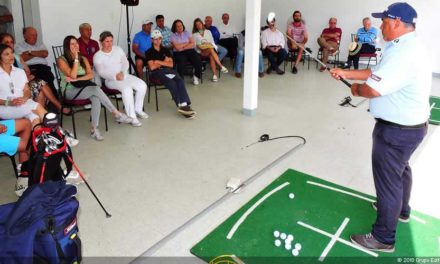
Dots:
(146, 22)
(402, 10)
(156, 34)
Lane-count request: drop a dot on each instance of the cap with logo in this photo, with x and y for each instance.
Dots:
(156, 34)
(401, 10)
(146, 22)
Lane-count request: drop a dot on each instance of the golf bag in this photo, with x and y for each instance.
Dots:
(48, 149)
(41, 226)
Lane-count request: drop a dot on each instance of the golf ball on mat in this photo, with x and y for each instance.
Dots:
(298, 246)
(276, 233)
(291, 195)
(283, 236)
(290, 237)
(288, 246)
(277, 243)
(295, 252)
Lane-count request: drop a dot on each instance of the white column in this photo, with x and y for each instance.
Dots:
(252, 48)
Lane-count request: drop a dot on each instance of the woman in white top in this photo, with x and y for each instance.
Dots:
(206, 47)
(112, 65)
(15, 94)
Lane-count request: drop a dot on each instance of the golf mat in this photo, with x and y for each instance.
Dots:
(302, 219)
(434, 102)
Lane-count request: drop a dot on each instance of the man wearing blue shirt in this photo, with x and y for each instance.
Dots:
(398, 89)
(141, 43)
(366, 37)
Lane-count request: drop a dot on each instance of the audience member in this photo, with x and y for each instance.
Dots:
(240, 57)
(329, 41)
(227, 38)
(298, 32)
(272, 41)
(88, 47)
(184, 52)
(141, 43)
(206, 47)
(112, 65)
(222, 51)
(6, 20)
(160, 64)
(74, 68)
(165, 31)
(39, 89)
(366, 38)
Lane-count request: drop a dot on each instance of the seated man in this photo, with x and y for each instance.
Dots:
(160, 64)
(14, 137)
(222, 51)
(297, 30)
(227, 39)
(366, 37)
(35, 54)
(165, 31)
(240, 57)
(272, 41)
(141, 43)
(329, 41)
(88, 47)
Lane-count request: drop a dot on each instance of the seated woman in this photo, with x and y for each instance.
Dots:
(206, 47)
(160, 64)
(183, 47)
(14, 137)
(74, 67)
(112, 65)
(40, 91)
(15, 95)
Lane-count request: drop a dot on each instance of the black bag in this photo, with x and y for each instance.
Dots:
(82, 84)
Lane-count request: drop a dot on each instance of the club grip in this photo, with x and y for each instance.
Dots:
(346, 83)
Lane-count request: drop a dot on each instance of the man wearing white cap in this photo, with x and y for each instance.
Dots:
(398, 89)
(160, 63)
(141, 43)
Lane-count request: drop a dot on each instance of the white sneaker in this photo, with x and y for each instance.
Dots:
(142, 115)
(224, 69)
(21, 185)
(136, 123)
(73, 178)
(214, 78)
(19, 168)
(71, 141)
(123, 118)
(96, 134)
(195, 80)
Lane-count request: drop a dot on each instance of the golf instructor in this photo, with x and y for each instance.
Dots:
(399, 88)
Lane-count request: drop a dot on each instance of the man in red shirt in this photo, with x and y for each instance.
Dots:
(297, 30)
(88, 47)
(329, 40)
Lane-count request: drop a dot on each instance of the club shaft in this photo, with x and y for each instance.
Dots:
(316, 59)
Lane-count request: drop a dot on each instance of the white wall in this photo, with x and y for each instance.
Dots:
(62, 17)
(350, 14)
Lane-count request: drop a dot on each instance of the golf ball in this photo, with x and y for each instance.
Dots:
(298, 246)
(277, 243)
(295, 252)
(291, 195)
(283, 236)
(276, 233)
(290, 237)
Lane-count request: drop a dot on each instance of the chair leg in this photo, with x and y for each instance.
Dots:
(149, 89)
(157, 101)
(105, 118)
(14, 165)
(368, 64)
(117, 103)
(73, 124)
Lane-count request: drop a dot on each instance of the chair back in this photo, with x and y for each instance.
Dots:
(57, 51)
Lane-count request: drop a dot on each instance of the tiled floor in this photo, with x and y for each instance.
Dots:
(155, 178)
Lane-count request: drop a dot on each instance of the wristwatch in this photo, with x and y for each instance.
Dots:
(7, 102)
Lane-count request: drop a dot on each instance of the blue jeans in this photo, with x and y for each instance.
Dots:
(239, 61)
(392, 149)
(275, 59)
(222, 52)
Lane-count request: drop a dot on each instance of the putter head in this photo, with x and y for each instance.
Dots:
(346, 101)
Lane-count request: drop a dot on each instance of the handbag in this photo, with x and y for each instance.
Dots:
(83, 83)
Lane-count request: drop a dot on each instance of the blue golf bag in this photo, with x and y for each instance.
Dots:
(41, 226)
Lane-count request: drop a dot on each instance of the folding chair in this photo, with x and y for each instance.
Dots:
(157, 84)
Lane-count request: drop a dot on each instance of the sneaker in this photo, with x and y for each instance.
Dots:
(369, 242)
(224, 69)
(269, 70)
(195, 80)
(136, 123)
(279, 71)
(402, 218)
(238, 75)
(261, 74)
(123, 118)
(294, 70)
(19, 168)
(142, 115)
(188, 116)
(21, 185)
(73, 178)
(309, 50)
(214, 78)
(71, 141)
(186, 110)
(96, 134)
(346, 66)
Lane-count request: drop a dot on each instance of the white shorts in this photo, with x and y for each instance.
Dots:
(22, 111)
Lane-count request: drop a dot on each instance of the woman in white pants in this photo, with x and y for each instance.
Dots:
(112, 65)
